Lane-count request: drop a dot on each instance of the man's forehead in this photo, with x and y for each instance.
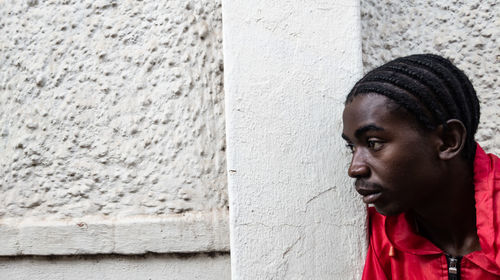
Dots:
(373, 112)
(367, 105)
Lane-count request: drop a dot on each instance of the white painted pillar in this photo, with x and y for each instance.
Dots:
(288, 67)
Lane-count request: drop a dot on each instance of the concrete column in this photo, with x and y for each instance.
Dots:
(288, 67)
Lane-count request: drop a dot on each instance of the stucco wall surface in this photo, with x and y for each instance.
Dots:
(466, 32)
(111, 108)
(148, 267)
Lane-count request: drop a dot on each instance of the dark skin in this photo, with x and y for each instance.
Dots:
(401, 167)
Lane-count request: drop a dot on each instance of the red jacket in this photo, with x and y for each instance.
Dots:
(397, 252)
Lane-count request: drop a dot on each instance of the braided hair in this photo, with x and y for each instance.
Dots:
(430, 88)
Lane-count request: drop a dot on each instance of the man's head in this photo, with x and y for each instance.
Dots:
(404, 121)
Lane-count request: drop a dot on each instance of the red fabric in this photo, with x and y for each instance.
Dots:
(397, 252)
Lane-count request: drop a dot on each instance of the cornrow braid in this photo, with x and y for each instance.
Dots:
(451, 82)
(420, 91)
(426, 78)
(471, 98)
(430, 88)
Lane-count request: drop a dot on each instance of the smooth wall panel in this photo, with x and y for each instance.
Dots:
(288, 66)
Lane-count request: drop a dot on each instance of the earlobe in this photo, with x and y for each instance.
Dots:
(452, 139)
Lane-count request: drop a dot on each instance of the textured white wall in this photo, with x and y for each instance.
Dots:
(467, 32)
(111, 108)
(288, 66)
(112, 138)
(148, 267)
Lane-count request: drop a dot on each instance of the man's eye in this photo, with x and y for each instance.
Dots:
(375, 145)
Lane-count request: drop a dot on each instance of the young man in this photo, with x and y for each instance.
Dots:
(410, 125)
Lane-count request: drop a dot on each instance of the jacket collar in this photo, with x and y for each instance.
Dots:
(403, 236)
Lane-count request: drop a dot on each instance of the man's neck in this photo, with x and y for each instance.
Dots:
(449, 219)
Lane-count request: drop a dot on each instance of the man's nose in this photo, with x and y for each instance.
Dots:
(358, 167)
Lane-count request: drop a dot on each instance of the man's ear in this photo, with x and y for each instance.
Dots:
(452, 139)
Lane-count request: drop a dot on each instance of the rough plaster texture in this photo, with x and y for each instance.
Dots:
(147, 267)
(112, 135)
(293, 211)
(111, 108)
(467, 32)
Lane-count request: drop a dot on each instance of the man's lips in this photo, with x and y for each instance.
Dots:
(371, 197)
(370, 192)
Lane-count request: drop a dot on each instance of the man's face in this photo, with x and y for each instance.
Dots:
(395, 164)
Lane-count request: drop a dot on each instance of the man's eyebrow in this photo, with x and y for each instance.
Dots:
(370, 127)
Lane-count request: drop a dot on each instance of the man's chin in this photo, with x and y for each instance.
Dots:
(387, 210)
